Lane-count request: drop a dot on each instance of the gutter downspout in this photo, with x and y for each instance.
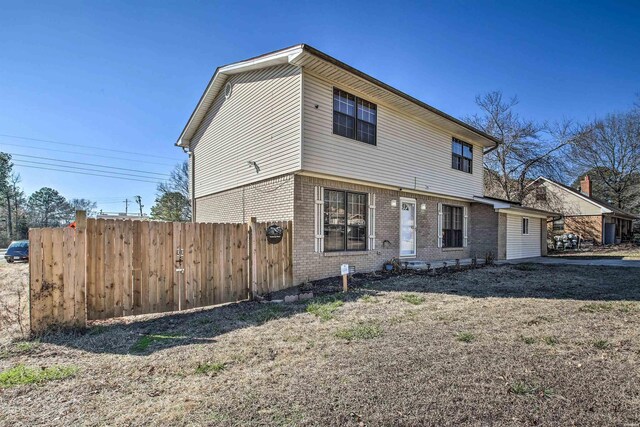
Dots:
(192, 159)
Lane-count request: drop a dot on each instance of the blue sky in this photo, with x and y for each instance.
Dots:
(122, 75)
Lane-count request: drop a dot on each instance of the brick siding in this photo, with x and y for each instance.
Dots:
(309, 265)
(268, 200)
(484, 229)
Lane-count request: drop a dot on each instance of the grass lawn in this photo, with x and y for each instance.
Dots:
(624, 251)
(506, 345)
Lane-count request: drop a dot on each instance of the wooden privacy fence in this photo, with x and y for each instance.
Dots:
(108, 268)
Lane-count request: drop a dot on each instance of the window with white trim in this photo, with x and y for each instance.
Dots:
(452, 234)
(345, 221)
(525, 226)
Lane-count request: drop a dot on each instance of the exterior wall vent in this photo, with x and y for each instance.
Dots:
(227, 90)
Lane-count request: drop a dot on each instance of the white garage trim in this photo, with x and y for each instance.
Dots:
(520, 245)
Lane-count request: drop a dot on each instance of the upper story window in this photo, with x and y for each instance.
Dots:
(461, 155)
(541, 194)
(353, 117)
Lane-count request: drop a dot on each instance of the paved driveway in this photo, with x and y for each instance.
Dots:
(609, 262)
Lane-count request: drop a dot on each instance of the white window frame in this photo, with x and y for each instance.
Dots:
(525, 220)
(319, 220)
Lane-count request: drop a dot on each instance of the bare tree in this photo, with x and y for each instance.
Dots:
(526, 150)
(611, 151)
(175, 194)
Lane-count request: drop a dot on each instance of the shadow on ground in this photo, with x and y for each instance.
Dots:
(147, 334)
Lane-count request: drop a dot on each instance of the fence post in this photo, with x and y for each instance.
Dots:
(80, 278)
(253, 257)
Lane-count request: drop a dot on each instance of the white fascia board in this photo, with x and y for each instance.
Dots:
(495, 203)
(278, 58)
(530, 214)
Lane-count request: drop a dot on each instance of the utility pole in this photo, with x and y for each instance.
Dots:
(139, 202)
(126, 206)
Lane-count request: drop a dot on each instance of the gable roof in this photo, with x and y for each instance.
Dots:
(299, 55)
(601, 204)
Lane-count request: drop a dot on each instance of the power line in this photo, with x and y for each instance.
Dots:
(86, 173)
(86, 169)
(85, 154)
(88, 164)
(85, 146)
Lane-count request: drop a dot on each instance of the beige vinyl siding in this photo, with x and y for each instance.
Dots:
(259, 122)
(409, 154)
(522, 245)
(564, 201)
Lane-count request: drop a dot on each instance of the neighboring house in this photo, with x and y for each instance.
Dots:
(582, 214)
(366, 172)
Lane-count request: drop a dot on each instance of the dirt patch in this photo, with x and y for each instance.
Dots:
(550, 345)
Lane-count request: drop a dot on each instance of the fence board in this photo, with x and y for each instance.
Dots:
(126, 276)
(56, 277)
(69, 272)
(80, 269)
(36, 306)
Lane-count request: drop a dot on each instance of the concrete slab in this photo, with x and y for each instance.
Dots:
(605, 262)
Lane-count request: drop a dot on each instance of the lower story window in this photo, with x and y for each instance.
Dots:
(558, 224)
(345, 221)
(452, 226)
(525, 225)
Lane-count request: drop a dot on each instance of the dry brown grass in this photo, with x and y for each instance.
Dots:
(14, 313)
(533, 358)
(625, 251)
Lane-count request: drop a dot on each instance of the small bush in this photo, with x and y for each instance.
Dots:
(465, 337)
(412, 299)
(324, 309)
(551, 340)
(601, 344)
(363, 331)
(21, 375)
(210, 368)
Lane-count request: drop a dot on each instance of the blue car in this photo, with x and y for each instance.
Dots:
(17, 250)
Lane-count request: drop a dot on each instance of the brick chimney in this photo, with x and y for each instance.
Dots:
(585, 186)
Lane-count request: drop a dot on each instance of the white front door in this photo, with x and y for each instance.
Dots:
(407, 227)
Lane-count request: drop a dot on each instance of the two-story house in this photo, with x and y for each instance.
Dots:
(366, 172)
